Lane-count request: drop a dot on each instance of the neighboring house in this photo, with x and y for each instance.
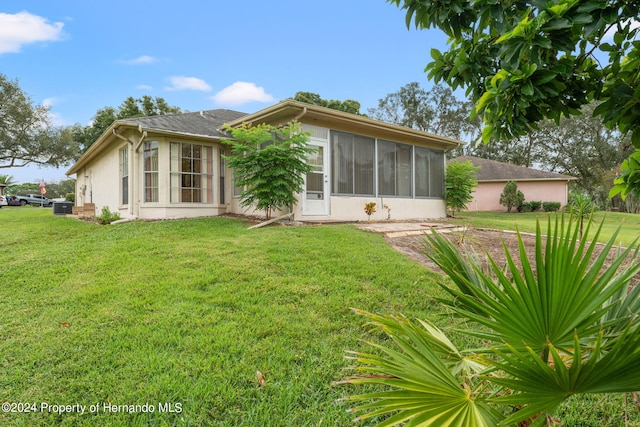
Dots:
(536, 185)
(173, 166)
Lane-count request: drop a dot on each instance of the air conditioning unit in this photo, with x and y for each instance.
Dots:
(62, 208)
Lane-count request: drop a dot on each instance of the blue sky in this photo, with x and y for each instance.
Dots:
(80, 56)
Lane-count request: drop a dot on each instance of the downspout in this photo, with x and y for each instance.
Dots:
(143, 136)
(302, 113)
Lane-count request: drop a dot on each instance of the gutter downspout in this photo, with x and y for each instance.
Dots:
(302, 113)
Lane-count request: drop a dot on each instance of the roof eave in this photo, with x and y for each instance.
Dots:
(287, 110)
(94, 149)
(107, 135)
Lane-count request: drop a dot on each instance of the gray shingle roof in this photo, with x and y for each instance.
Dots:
(491, 170)
(202, 123)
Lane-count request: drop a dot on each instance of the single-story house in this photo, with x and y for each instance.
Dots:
(536, 185)
(173, 166)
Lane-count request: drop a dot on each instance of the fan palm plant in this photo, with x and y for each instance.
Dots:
(7, 180)
(563, 324)
(581, 204)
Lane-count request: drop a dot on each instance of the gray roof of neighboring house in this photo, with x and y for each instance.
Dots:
(491, 170)
(204, 123)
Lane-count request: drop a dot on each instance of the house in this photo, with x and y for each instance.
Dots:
(173, 166)
(536, 185)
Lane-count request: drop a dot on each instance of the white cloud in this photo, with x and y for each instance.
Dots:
(144, 59)
(48, 102)
(24, 28)
(241, 93)
(144, 87)
(609, 34)
(56, 119)
(191, 83)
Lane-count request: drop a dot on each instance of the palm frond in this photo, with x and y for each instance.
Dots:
(567, 290)
(564, 322)
(423, 389)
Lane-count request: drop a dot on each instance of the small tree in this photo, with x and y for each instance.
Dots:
(269, 163)
(511, 196)
(581, 205)
(460, 181)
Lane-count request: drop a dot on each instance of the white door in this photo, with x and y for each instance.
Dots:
(315, 200)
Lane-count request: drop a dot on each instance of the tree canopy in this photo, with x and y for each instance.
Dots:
(348, 105)
(524, 61)
(131, 107)
(436, 110)
(580, 146)
(26, 133)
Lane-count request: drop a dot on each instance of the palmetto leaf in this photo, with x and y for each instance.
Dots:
(423, 389)
(608, 366)
(567, 292)
(564, 323)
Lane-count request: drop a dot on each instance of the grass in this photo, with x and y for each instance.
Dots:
(526, 222)
(185, 312)
(180, 315)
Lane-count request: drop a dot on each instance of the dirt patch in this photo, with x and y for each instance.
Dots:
(479, 242)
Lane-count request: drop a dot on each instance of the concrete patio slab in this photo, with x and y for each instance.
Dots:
(402, 229)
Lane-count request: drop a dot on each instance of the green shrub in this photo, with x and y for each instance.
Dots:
(107, 217)
(535, 205)
(511, 197)
(460, 180)
(551, 206)
(525, 207)
(70, 197)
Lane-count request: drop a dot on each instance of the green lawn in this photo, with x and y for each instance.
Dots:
(526, 222)
(181, 314)
(186, 312)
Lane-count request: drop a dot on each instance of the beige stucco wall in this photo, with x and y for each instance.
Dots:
(352, 209)
(345, 208)
(486, 197)
(96, 184)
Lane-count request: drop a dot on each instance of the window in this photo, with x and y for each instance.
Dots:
(394, 169)
(237, 189)
(315, 178)
(352, 166)
(191, 173)
(436, 174)
(124, 176)
(363, 166)
(151, 171)
(429, 175)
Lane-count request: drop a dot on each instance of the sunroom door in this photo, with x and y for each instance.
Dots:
(315, 200)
